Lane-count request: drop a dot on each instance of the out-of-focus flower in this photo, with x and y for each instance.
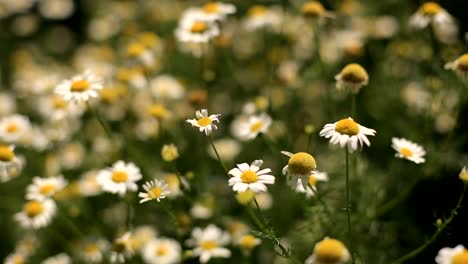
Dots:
(209, 243)
(61, 258)
(154, 190)
(464, 175)
(299, 168)
(166, 87)
(227, 148)
(80, 88)
(218, 10)
(248, 242)
(162, 251)
(55, 107)
(250, 177)
(196, 27)
(15, 258)
(120, 178)
(10, 164)
(56, 9)
(92, 250)
(169, 152)
(408, 150)
(311, 183)
(43, 188)
(315, 10)
(204, 121)
(121, 249)
(347, 133)
(329, 251)
(253, 126)
(260, 16)
(460, 66)
(352, 76)
(88, 184)
(36, 214)
(456, 255)
(14, 128)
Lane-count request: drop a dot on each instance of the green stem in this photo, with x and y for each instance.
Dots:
(130, 212)
(217, 155)
(100, 120)
(434, 237)
(353, 105)
(320, 200)
(348, 204)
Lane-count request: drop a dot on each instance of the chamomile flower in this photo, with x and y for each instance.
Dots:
(329, 251)
(218, 10)
(43, 188)
(460, 66)
(430, 12)
(162, 251)
(209, 243)
(456, 255)
(15, 258)
(169, 152)
(166, 87)
(14, 128)
(10, 164)
(204, 122)
(315, 10)
(248, 242)
(408, 150)
(92, 251)
(254, 125)
(260, 16)
(154, 190)
(347, 133)
(353, 76)
(80, 88)
(61, 258)
(120, 178)
(36, 213)
(315, 177)
(246, 177)
(57, 108)
(121, 249)
(300, 166)
(196, 27)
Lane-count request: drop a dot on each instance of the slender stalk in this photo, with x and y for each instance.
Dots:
(217, 155)
(100, 120)
(348, 203)
(353, 105)
(434, 237)
(320, 200)
(130, 212)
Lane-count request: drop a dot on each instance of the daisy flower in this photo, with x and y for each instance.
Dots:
(61, 258)
(300, 166)
(311, 183)
(154, 190)
(166, 87)
(329, 251)
(408, 150)
(463, 175)
(460, 66)
(93, 251)
(10, 164)
(121, 249)
(315, 10)
(43, 188)
(204, 121)
(248, 242)
(430, 12)
(196, 27)
(250, 177)
(218, 10)
(36, 213)
(80, 88)
(353, 76)
(254, 125)
(208, 243)
(15, 258)
(347, 132)
(456, 255)
(169, 152)
(120, 178)
(57, 108)
(260, 16)
(162, 251)
(14, 128)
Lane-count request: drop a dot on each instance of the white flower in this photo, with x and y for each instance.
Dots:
(88, 184)
(250, 177)
(162, 251)
(430, 12)
(408, 150)
(36, 214)
(300, 166)
(154, 190)
(248, 242)
(55, 107)
(166, 87)
(121, 249)
(218, 10)
(43, 188)
(14, 128)
(311, 183)
(253, 126)
(61, 258)
(93, 251)
(10, 164)
(347, 132)
(196, 27)
(460, 66)
(80, 88)
(352, 76)
(454, 255)
(120, 178)
(204, 122)
(260, 16)
(329, 251)
(208, 243)
(15, 258)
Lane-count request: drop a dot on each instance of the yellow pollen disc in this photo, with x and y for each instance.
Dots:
(203, 122)
(249, 176)
(12, 128)
(199, 27)
(329, 250)
(108, 94)
(462, 63)
(255, 127)
(80, 86)
(312, 180)
(208, 245)
(119, 247)
(119, 176)
(248, 242)
(18, 259)
(406, 152)
(347, 127)
(354, 73)
(58, 102)
(172, 180)
(6, 154)
(313, 9)
(135, 49)
(149, 39)
(245, 197)
(162, 250)
(430, 9)
(301, 163)
(257, 10)
(91, 248)
(211, 8)
(47, 189)
(460, 258)
(33, 208)
(157, 111)
(155, 192)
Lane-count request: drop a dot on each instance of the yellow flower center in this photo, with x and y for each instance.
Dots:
(108, 94)
(157, 111)
(430, 9)
(329, 250)
(135, 49)
(248, 242)
(91, 248)
(47, 189)
(80, 86)
(172, 180)
(257, 10)
(203, 122)
(211, 8)
(255, 127)
(149, 39)
(155, 192)
(12, 128)
(312, 180)
(406, 152)
(460, 258)
(249, 176)
(199, 27)
(354, 73)
(301, 163)
(58, 102)
(462, 62)
(6, 154)
(119, 247)
(347, 127)
(33, 208)
(17, 259)
(162, 250)
(119, 176)
(313, 9)
(245, 197)
(208, 245)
